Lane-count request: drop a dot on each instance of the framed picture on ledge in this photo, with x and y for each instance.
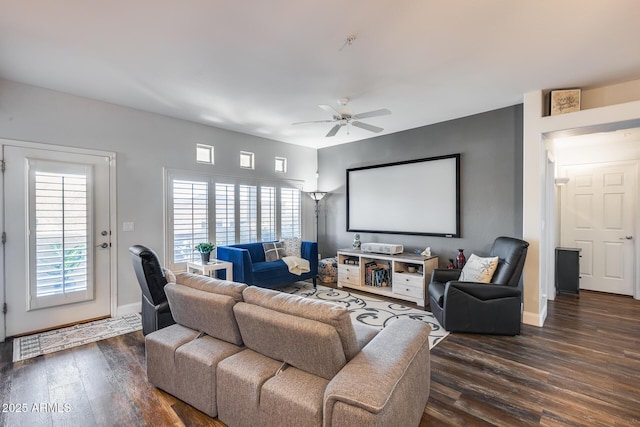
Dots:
(565, 101)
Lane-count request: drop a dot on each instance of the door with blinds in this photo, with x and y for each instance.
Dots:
(57, 255)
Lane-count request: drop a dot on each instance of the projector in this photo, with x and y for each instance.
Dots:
(382, 248)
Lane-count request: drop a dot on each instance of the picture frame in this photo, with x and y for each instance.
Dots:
(565, 101)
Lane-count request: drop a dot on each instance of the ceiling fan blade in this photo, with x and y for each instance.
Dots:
(367, 126)
(329, 109)
(375, 113)
(333, 131)
(313, 121)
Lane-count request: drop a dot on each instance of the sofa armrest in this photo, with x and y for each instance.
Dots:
(387, 383)
(241, 260)
(444, 275)
(482, 291)
(309, 251)
(163, 307)
(482, 307)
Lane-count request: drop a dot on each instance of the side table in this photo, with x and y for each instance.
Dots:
(213, 265)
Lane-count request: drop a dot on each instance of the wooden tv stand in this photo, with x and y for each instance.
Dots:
(355, 272)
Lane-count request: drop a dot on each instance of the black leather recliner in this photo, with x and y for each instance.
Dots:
(493, 308)
(156, 313)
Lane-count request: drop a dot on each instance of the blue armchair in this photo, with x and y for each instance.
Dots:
(250, 267)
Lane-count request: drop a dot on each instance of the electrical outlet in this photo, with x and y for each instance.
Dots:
(127, 226)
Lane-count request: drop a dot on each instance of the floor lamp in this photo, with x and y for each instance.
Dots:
(316, 196)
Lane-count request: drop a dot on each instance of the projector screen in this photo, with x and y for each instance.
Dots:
(419, 197)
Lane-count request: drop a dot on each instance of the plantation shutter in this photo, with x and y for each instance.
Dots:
(225, 214)
(190, 218)
(289, 212)
(268, 213)
(60, 215)
(248, 198)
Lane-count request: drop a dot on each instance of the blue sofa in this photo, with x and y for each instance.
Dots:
(250, 267)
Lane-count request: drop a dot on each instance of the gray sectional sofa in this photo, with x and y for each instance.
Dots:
(257, 357)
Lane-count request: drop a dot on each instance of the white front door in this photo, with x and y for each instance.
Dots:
(598, 216)
(57, 259)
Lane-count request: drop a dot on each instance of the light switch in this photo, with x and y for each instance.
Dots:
(127, 226)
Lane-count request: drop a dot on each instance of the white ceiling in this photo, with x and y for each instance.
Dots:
(257, 66)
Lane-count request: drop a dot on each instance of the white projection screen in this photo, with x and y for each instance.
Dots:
(419, 197)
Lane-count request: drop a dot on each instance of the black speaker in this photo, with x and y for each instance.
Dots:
(568, 271)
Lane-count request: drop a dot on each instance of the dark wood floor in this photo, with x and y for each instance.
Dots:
(581, 369)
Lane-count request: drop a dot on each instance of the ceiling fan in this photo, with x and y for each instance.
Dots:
(344, 117)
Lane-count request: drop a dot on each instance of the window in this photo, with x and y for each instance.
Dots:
(60, 212)
(281, 164)
(226, 211)
(290, 212)
(247, 160)
(225, 214)
(190, 218)
(268, 213)
(204, 154)
(248, 213)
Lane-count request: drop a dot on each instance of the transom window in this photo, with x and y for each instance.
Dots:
(204, 154)
(247, 160)
(281, 164)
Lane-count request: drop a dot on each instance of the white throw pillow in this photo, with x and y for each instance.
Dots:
(168, 274)
(292, 246)
(273, 251)
(479, 269)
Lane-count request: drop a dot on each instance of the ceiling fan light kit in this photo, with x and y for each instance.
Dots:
(345, 117)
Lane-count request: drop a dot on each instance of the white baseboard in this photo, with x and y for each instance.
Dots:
(535, 319)
(136, 307)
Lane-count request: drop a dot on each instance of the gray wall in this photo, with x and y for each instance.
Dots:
(144, 144)
(491, 180)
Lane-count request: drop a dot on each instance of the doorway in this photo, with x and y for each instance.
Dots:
(58, 254)
(598, 217)
(599, 207)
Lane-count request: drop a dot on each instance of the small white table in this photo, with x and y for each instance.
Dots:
(213, 265)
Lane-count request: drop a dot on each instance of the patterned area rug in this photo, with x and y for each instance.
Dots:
(368, 310)
(73, 336)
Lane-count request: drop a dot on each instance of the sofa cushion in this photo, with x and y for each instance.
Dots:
(364, 333)
(239, 383)
(160, 348)
(308, 345)
(204, 311)
(195, 371)
(273, 267)
(213, 285)
(321, 311)
(292, 398)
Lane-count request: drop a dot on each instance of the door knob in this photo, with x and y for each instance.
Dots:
(626, 238)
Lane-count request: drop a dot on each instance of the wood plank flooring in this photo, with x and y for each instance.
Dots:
(581, 369)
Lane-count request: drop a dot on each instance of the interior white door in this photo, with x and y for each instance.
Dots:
(598, 216)
(58, 249)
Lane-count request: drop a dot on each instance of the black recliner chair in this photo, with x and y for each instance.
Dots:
(156, 313)
(488, 308)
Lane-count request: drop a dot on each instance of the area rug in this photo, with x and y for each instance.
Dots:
(368, 310)
(73, 336)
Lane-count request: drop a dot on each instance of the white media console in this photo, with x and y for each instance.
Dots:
(405, 278)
